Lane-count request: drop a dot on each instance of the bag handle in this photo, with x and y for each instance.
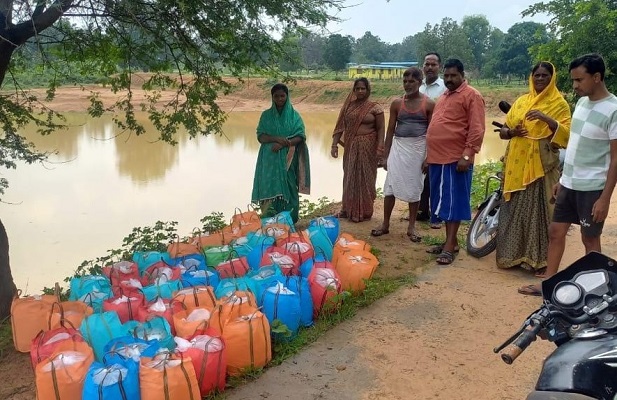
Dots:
(120, 385)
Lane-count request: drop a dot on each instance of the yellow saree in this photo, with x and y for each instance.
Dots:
(523, 163)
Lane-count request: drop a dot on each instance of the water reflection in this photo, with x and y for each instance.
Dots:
(103, 182)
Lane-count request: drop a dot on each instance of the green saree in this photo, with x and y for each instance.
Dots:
(281, 176)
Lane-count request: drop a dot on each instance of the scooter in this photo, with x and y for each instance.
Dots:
(579, 315)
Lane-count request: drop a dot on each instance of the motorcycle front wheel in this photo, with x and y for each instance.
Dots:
(482, 233)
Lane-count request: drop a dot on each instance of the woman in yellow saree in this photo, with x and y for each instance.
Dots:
(537, 126)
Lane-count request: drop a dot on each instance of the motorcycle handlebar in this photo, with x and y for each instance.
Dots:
(519, 345)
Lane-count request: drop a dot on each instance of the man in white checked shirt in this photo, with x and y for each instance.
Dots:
(584, 191)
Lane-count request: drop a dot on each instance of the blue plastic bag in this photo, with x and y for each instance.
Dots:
(301, 286)
(284, 217)
(112, 382)
(119, 349)
(330, 224)
(91, 289)
(281, 303)
(156, 328)
(145, 259)
(161, 288)
(259, 243)
(193, 262)
(320, 241)
(98, 329)
(263, 278)
(208, 277)
(226, 287)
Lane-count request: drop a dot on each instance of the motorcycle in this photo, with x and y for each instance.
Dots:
(482, 232)
(578, 314)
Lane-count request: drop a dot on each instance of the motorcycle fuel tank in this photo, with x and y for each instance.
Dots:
(585, 366)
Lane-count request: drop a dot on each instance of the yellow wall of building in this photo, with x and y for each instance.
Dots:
(376, 73)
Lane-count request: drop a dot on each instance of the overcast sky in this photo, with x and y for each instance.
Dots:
(396, 19)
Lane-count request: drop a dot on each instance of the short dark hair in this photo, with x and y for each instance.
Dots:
(455, 63)
(414, 72)
(279, 86)
(543, 64)
(434, 53)
(593, 63)
(363, 80)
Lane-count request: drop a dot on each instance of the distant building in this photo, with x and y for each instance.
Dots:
(389, 70)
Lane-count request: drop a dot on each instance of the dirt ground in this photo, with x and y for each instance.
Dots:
(430, 341)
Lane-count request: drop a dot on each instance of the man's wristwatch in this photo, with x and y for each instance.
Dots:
(466, 158)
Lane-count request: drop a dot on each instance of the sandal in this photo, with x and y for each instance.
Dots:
(439, 249)
(379, 232)
(435, 225)
(541, 273)
(530, 290)
(445, 258)
(415, 238)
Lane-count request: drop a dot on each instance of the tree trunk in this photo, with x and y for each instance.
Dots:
(7, 286)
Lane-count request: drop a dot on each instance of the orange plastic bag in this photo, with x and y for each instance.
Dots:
(248, 342)
(247, 221)
(347, 242)
(168, 377)
(29, 316)
(186, 327)
(72, 311)
(62, 376)
(354, 267)
(190, 298)
(228, 308)
(208, 239)
(181, 249)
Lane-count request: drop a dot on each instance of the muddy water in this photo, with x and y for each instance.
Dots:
(100, 183)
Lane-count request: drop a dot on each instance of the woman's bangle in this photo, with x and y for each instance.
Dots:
(335, 146)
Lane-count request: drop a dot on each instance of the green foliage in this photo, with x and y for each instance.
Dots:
(478, 184)
(310, 210)
(578, 27)
(478, 29)
(337, 51)
(446, 38)
(149, 238)
(370, 49)
(514, 54)
(213, 222)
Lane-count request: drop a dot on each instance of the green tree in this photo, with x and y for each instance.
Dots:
(312, 47)
(492, 54)
(446, 38)
(370, 49)
(514, 56)
(407, 50)
(109, 37)
(337, 51)
(478, 31)
(579, 27)
(292, 57)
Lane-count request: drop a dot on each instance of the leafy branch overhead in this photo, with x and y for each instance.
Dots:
(194, 40)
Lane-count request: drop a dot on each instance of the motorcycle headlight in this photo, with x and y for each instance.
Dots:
(567, 294)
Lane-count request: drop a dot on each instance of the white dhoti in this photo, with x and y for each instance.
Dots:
(405, 179)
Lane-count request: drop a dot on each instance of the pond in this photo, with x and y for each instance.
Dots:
(102, 182)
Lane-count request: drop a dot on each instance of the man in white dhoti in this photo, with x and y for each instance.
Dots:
(405, 151)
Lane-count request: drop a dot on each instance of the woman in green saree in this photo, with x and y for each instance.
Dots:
(283, 169)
